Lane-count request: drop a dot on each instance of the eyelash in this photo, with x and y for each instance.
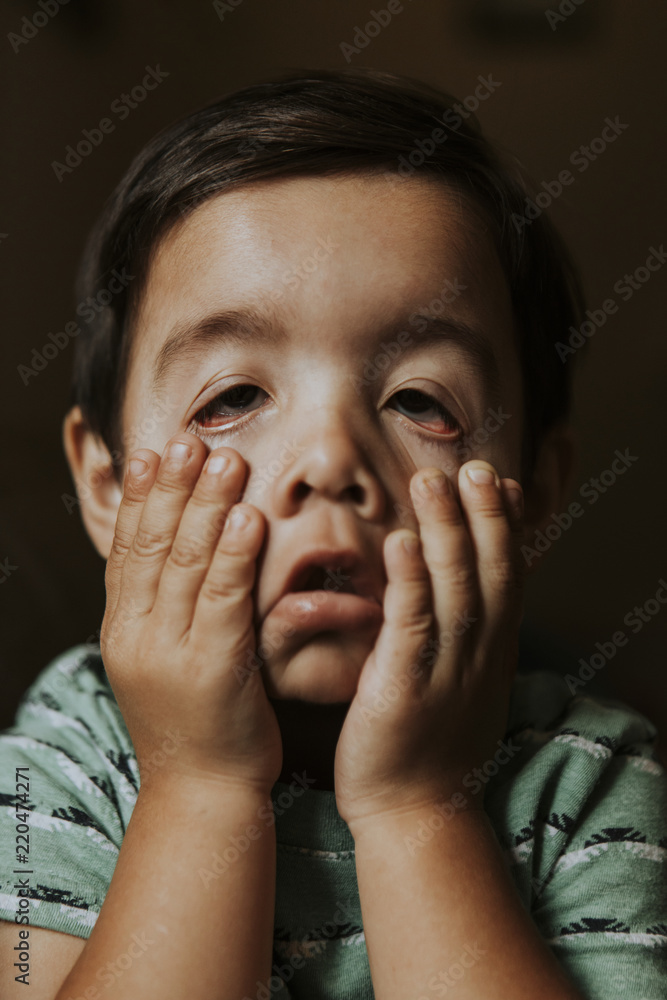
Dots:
(198, 427)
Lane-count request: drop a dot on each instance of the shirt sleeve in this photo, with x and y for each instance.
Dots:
(602, 906)
(68, 784)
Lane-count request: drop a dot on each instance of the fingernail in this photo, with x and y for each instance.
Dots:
(515, 498)
(480, 476)
(179, 451)
(216, 464)
(238, 518)
(411, 544)
(137, 467)
(437, 485)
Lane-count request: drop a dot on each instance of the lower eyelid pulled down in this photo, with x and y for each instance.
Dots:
(244, 415)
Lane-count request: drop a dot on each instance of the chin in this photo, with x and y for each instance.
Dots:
(323, 669)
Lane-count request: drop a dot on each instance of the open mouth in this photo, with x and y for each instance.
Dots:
(324, 578)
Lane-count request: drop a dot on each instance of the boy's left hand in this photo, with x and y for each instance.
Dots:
(433, 696)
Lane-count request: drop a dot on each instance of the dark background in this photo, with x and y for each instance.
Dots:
(558, 84)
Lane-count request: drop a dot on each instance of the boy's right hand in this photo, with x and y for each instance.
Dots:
(179, 619)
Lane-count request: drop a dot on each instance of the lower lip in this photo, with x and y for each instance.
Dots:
(317, 610)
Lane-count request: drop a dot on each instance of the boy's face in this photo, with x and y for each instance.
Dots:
(338, 280)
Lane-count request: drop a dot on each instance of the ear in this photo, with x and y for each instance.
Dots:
(98, 493)
(548, 491)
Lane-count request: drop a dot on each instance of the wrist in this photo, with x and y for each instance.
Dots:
(201, 784)
(420, 823)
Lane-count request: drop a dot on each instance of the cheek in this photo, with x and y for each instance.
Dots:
(496, 440)
(150, 426)
(264, 471)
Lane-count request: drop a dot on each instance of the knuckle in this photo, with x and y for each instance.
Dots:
(502, 577)
(203, 499)
(170, 483)
(490, 506)
(461, 578)
(149, 543)
(122, 540)
(449, 512)
(416, 612)
(231, 582)
(223, 588)
(417, 623)
(186, 553)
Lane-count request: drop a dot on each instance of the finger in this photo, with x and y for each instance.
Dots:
(449, 555)
(162, 510)
(513, 500)
(224, 605)
(139, 477)
(402, 656)
(494, 536)
(219, 485)
(514, 505)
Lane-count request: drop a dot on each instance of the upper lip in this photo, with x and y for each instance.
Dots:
(350, 573)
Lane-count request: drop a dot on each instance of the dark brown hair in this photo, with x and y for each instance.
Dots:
(318, 123)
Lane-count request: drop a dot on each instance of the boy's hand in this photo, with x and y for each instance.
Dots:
(433, 696)
(178, 619)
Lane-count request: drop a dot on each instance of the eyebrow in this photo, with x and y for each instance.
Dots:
(239, 327)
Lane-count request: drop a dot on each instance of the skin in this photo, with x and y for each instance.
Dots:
(377, 270)
(186, 602)
(390, 261)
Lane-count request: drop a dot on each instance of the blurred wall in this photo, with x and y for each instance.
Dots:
(560, 79)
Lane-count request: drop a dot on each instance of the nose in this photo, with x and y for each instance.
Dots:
(331, 462)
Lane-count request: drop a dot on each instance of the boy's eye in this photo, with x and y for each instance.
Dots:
(426, 410)
(417, 406)
(239, 399)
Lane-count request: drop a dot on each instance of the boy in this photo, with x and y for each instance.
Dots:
(301, 762)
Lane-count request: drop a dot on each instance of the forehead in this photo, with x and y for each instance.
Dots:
(331, 256)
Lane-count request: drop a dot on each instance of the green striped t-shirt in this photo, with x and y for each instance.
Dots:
(579, 807)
